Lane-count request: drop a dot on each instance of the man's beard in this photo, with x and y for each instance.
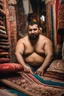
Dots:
(33, 37)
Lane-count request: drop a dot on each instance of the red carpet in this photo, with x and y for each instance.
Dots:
(31, 86)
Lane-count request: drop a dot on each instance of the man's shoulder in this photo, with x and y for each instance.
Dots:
(22, 39)
(45, 38)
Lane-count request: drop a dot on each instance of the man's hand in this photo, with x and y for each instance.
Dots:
(40, 71)
(28, 69)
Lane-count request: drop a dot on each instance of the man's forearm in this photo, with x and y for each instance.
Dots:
(20, 60)
(47, 62)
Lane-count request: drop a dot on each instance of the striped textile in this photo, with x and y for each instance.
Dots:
(32, 85)
(61, 18)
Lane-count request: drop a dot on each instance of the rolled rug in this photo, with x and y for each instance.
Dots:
(4, 47)
(1, 1)
(1, 5)
(1, 18)
(3, 40)
(61, 19)
(3, 50)
(2, 27)
(2, 31)
(1, 22)
(4, 59)
(2, 13)
(4, 54)
(6, 68)
(3, 36)
(4, 43)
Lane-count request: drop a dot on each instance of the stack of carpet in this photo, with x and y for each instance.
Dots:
(4, 44)
(56, 70)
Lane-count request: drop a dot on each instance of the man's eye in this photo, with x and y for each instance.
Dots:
(32, 29)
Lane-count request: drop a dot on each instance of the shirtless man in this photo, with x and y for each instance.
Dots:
(34, 50)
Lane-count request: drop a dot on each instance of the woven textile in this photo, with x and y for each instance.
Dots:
(56, 70)
(61, 18)
(1, 22)
(4, 47)
(4, 59)
(4, 92)
(51, 27)
(34, 85)
(7, 68)
(2, 27)
(3, 36)
(2, 54)
(57, 66)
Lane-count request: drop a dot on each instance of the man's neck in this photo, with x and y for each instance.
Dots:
(33, 42)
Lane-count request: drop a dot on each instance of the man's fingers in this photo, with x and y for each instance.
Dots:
(42, 73)
(31, 72)
(28, 71)
(39, 73)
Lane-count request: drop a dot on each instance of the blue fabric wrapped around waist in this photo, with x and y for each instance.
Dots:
(33, 68)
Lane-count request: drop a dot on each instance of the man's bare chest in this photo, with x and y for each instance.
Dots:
(38, 49)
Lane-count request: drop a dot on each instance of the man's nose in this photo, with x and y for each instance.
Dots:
(32, 31)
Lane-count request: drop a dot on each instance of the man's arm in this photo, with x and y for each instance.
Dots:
(48, 49)
(48, 53)
(19, 55)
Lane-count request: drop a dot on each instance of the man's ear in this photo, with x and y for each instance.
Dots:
(40, 30)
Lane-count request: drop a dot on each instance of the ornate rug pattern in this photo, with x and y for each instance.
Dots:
(33, 85)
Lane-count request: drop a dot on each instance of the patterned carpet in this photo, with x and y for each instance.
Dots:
(32, 85)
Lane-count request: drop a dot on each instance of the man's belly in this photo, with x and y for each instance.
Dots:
(34, 59)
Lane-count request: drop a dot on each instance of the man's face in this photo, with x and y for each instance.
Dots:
(33, 32)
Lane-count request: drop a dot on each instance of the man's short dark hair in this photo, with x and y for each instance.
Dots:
(33, 22)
